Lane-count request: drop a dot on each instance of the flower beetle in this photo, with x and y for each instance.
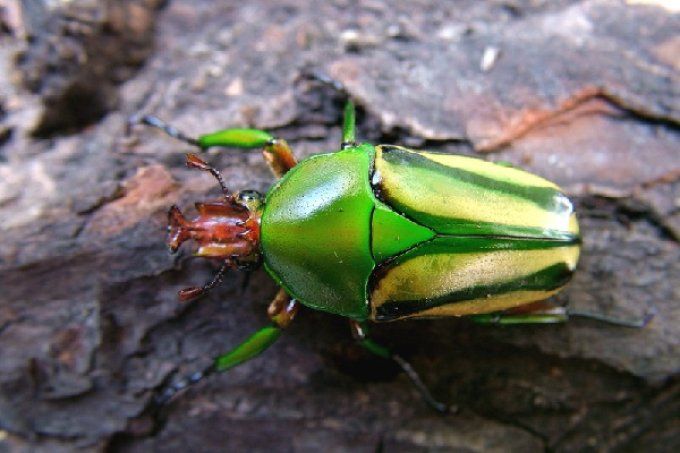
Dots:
(380, 233)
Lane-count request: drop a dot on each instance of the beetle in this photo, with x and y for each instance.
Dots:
(381, 233)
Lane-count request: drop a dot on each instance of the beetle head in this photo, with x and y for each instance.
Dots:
(222, 230)
(227, 230)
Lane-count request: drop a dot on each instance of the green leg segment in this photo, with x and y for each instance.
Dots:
(555, 315)
(236, 138)
(281, 311)
(277, 152)
(508, 319)
(349, 126)
(360, 332)
(249, 349)
(229, 138)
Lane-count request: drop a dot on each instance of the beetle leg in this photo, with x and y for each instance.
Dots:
(349, 126)
(153, 121)
(635, 323)
(279, 156)
(281, 311)
(360, 332)
(276, 151)
(548, 317)
(553, 315)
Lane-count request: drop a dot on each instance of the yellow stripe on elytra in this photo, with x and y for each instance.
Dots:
(490, 170)
(448, 273)
(573, 224)
(491, 304)
(439, 195)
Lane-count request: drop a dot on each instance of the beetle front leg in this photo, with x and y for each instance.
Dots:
(360, 334)
(281, 312)
(277, 152)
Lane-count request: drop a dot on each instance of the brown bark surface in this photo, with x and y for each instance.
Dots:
(585, 93)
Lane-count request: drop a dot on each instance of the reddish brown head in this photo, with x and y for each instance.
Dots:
(227, 230)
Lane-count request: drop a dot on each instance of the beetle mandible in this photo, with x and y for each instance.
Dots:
(380, 233)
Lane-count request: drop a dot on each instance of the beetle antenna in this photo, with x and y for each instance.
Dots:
(193, 161)
(193, 292)
(217, 279)
(153, 121)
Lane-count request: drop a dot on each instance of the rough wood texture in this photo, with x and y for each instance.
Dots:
(582, 92)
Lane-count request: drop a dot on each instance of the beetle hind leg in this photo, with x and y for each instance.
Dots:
(542, 313)
(360, 334)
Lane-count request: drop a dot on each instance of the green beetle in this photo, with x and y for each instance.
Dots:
(379, 233)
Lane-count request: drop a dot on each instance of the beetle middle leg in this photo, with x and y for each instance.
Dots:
(360, 334)
(277, 153)
(281, 312)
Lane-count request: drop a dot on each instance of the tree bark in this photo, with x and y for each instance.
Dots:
(584, 93)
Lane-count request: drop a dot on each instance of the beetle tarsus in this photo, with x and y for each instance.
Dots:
(153, 121)
(633, 323)
(165, 395)
(326, 79)
(422, 388)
